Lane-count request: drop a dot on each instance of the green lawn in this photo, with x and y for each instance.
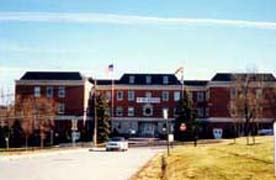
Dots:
(222, 161)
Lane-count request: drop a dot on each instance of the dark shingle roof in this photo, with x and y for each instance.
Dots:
(156, 79)
(252, 76)
(52, 76)
(195, 83)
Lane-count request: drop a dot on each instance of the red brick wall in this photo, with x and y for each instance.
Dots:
(219, 102)
(73, 100)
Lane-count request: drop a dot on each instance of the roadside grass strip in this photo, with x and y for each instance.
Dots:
(222, 161)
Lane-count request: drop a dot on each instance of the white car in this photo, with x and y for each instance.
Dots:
(117, 143)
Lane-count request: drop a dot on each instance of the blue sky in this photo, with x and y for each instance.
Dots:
(204, 36)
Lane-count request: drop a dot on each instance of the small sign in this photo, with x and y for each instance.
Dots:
(171, 138)
(148, 100)
(217, 132)
(75, 136)
(183, 127)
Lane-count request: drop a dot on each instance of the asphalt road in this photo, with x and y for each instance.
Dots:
(76, 165)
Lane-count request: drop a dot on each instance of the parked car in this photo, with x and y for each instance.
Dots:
(265, 132)
(117, 143)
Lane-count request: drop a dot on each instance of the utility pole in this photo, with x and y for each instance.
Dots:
(95, 115)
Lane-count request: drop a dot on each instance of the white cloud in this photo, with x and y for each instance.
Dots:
(127, 19)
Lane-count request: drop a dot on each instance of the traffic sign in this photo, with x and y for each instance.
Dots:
(183, 127)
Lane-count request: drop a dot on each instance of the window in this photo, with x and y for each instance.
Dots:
(148, 110)
(131, 79)
(207, 112)
(61, 108)
(130, 111)
(175, 114)
(131, 96)
(108, 95)
(165, 79)
(37, 91)
(49, 92)
(119, 111)
(200, 112)
(148, 79)
(148, 94)
(259, 93)
(176, 96)
(120, 95)
(61, 91)
(233, 92)
(208, 95)
(165, 96)
(200, 96)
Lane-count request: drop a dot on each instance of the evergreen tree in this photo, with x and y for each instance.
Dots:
(185, 116)
(103, 120)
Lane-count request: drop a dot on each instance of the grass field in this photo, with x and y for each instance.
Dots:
(222, 161)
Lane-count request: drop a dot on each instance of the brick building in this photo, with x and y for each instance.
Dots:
(70, 90)
(139, 100)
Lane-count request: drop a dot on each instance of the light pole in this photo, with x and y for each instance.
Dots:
(95, 115)
(165, 115)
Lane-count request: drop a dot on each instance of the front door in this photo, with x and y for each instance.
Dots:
(147, 129)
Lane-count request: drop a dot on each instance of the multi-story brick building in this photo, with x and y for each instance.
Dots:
(137, 101)
(70, 90)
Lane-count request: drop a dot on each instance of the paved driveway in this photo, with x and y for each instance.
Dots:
(76, 165)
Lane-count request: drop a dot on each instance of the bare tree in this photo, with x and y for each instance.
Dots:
(247, 103)
(35, 114)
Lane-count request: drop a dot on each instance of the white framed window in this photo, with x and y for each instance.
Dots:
(120, 95)
(148, 94)
(49, 91)
(148, 79)
(61, 91)
(165, 79)
(37, 91)
(61, 108)
(200, 112)
(177, 96)
(108, 95)
(165, 96)
(130, 111)
(131, 95)
(148, 110)
(259, 93)
(131, 79)
(119, 111)
(200, 96)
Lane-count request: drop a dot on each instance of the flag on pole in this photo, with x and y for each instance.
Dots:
(110, 68)
(179, 70)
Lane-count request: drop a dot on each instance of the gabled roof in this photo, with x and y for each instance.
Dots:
(243, 76)
(50, 75)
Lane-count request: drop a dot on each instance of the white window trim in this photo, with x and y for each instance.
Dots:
(132, 110)
(131, 98)
(167, 96)
(37, 91)
(49, 89)
(119, 109)
(61, 108)
(61, 92)
(176, 96)
(118, 97)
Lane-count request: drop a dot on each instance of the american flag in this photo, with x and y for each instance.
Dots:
(110, 68)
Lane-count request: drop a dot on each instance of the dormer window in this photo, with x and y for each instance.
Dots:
(165, 80)
(148, 79)
(131, 79)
